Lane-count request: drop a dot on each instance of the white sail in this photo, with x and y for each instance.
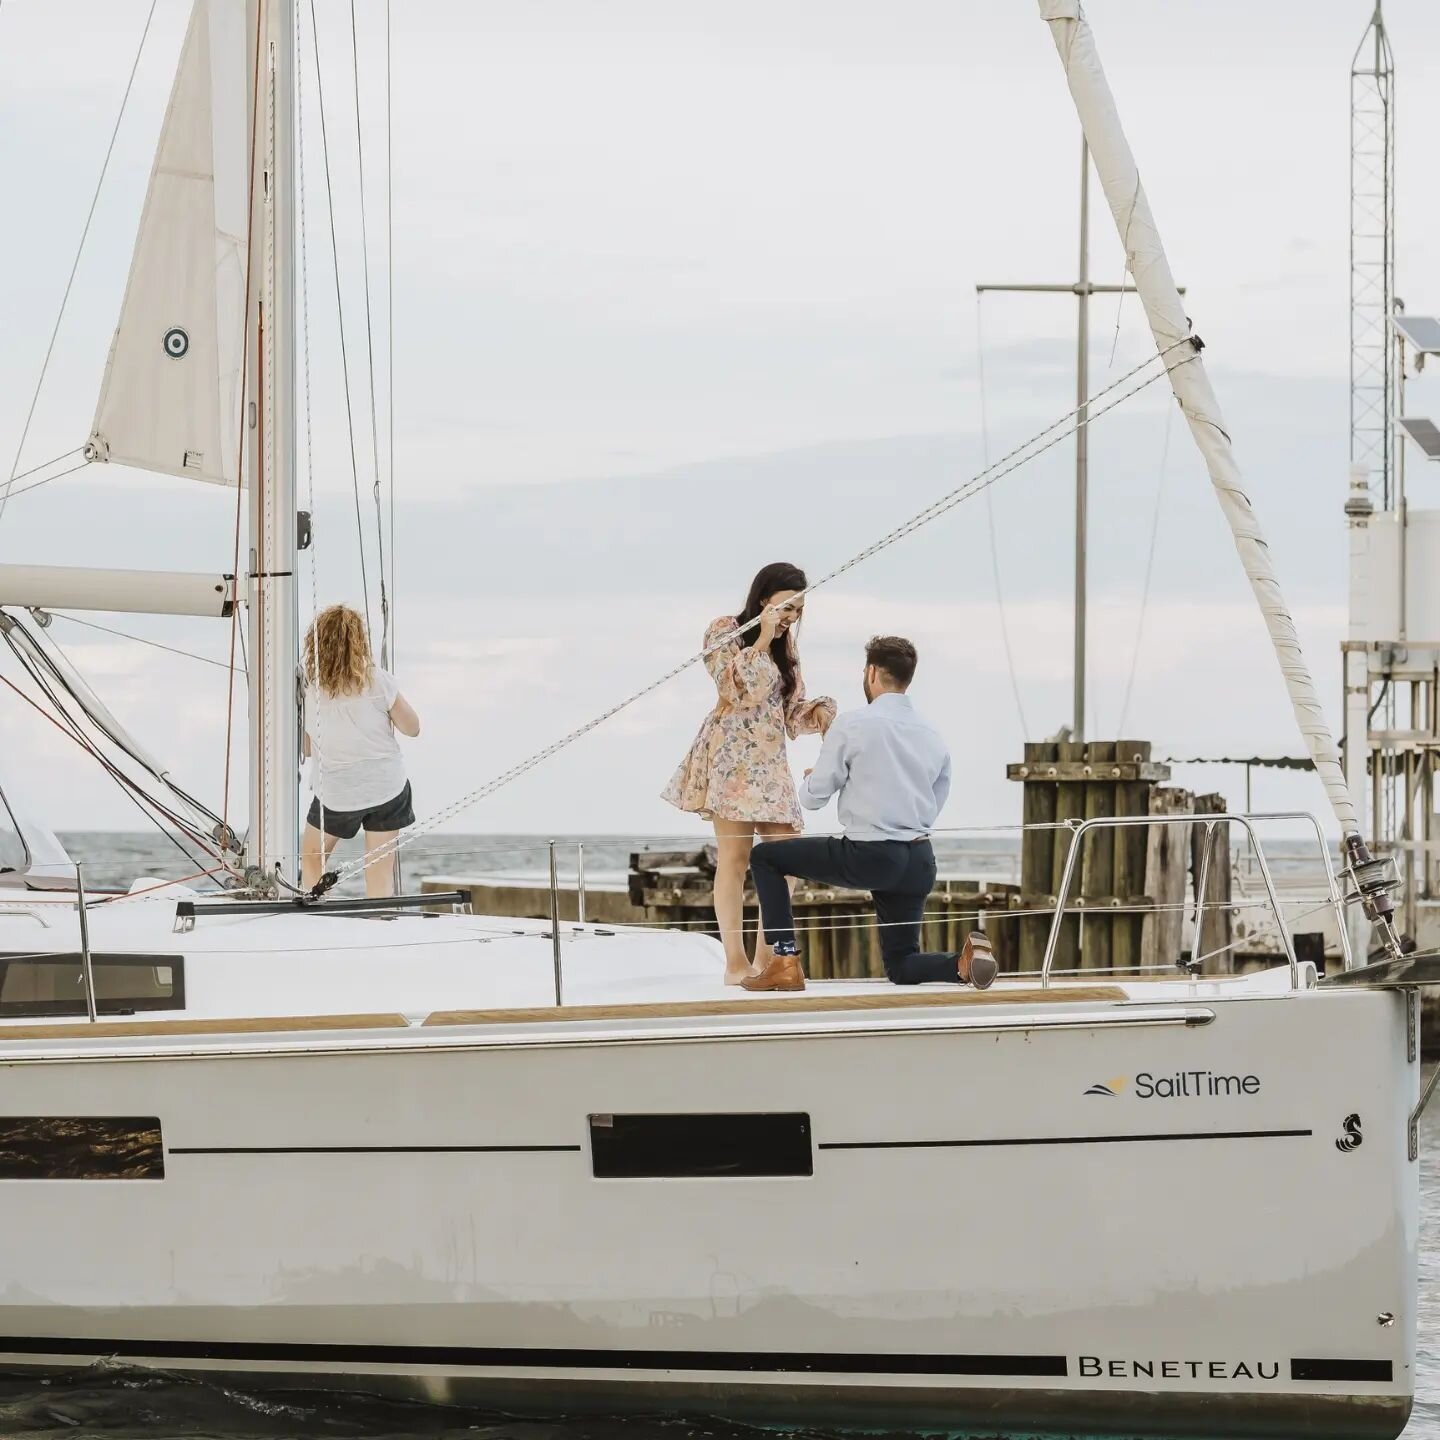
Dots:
(1150, 270)
(170, 399)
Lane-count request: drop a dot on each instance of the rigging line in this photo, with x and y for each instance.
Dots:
(128, 787)
(44, 465)
(370, 350)
(254, 140)
(1149, 569)
(75, 265)
(1008, 463)
(390, 329)
(163, 885)
(990, 517)
(36, 484)
(101, 723)
(1124, 272)
(138, 639)
(340, 314)
(309, 714)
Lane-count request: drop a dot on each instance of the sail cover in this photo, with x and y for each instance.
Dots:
(1150, 270)
(170, 399)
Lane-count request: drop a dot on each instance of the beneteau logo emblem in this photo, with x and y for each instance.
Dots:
(1352, 1139)
(1095, 1366)
(1182, 1085)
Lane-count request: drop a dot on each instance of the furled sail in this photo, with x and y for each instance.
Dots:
(1150, 270)
(171, 396)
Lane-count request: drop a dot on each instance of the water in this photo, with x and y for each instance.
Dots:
(112, 1403)
(115, 859)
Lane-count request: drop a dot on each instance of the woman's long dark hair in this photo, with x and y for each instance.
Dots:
(770, 581)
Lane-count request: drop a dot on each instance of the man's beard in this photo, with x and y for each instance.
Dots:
(869, 693)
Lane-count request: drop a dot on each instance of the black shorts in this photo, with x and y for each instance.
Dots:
(393, 814)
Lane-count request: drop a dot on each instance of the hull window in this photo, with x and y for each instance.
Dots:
(653, 1147)
(37, 985)
(80, 1147)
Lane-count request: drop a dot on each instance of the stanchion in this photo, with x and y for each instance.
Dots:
(86, 970)
(555, 924)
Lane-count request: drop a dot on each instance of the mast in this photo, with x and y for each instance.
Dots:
(1082, 441)
(1082, 289)
(273, 642)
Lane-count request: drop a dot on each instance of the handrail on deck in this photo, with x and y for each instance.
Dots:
(1211, 823)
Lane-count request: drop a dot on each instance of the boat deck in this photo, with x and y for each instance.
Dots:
(297, 972)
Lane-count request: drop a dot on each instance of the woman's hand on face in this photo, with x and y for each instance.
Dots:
(769, 627)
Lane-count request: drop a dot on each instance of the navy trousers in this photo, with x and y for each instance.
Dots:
(899, 876)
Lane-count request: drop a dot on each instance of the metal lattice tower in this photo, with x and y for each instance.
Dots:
(1372, 257)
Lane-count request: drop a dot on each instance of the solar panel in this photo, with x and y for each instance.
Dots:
(1425, 433)
(1422, 331)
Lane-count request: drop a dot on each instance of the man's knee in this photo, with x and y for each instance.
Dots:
(768, 853)
(898, 970)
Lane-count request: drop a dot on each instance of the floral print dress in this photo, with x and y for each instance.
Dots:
(737, 768)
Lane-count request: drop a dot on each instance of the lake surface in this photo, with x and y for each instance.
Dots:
(119, 1403)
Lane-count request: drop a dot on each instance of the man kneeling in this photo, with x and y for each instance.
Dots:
(891, 772)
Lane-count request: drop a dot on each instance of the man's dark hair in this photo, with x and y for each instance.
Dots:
(896, 657)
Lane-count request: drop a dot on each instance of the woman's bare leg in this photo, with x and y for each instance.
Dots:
(763, 953)
(733, 839)
(313, 855)
(379, 877)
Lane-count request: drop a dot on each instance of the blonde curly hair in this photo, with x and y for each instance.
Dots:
(337, 652)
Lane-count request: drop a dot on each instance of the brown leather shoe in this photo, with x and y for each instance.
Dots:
(977, 965)
(782, 973)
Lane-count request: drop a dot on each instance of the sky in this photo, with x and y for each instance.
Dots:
(681, 287)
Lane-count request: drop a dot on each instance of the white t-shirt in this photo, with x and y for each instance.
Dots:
(357, 758)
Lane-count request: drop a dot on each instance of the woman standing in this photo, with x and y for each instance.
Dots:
(737, 774)
(352, 711)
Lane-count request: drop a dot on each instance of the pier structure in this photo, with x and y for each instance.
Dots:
(1391, 652)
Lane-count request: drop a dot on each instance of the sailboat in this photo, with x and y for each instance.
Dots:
(309, 1141)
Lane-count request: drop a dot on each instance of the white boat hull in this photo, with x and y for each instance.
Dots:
(985, 1237)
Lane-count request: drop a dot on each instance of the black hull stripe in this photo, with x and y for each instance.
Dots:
(824, 1145)
(1064, 1140)
(511, 1356)
(372, 1149)
(1382, 1371)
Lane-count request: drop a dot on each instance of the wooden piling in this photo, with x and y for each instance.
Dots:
(1132, 797)
(1097, 859)
(1037, 849)
(1121, 872)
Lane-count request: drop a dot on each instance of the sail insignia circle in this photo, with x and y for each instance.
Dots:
(177, 342)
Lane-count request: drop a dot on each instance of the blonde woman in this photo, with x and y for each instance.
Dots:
(737, 773)
(352, 711)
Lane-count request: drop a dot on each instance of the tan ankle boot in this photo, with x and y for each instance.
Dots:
(783, 972)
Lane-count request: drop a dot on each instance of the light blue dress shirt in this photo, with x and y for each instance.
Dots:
(890, 768)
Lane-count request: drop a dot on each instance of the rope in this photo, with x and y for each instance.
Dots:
(163, 885)
(44, 465)
(101, 722)
(990, 516)
(134, 793)
(36, 484)
(1149, 570)
(75, 265)
(1008, 463)
(370, 351)
(340, 315)
(138, 639)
